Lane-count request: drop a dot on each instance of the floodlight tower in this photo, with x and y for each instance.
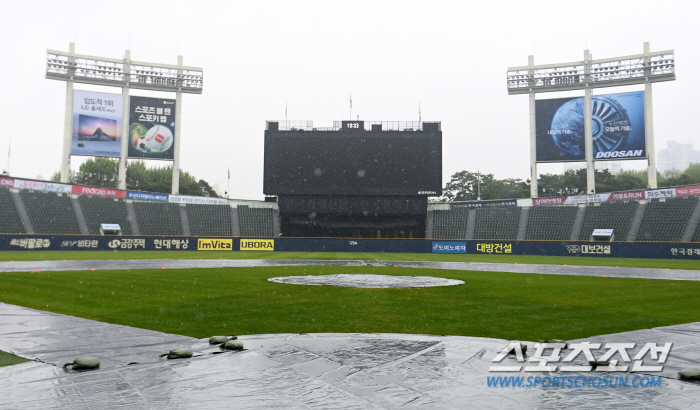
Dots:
(127, 74)
(646, 68)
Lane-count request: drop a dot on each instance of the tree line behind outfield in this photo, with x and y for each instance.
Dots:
(463, 184)
(102, 172)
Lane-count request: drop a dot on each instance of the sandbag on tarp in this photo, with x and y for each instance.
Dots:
(233, 345)
(597, 362)
(217, 340)
(178, 354)
(84, 363)
(689, 374)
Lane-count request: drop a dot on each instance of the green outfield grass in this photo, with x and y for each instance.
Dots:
(553, 260)
(8, 359)
(206, 302)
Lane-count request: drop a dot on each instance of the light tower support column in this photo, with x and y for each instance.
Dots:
(649, 120)
(68, 119)
(533, 136)
(178, 142)
(587, 131)
(125, 122)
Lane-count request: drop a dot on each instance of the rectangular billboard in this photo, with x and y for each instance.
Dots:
(7, 182)
(97, 191)
(147, 196)
(449, 247)
(357, 163)
(151, 128)
(97, 124)
(617, 128)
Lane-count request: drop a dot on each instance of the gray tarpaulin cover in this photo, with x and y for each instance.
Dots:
(290, 371)
(314, 371)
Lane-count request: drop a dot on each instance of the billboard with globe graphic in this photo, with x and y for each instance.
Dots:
(617, 128)
(97, 124)
(151, 128)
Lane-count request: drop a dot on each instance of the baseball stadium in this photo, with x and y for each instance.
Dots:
(350, 285)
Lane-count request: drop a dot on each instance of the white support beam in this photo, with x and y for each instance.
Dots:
(68, 122)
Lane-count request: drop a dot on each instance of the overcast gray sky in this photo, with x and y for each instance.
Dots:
(449, 56)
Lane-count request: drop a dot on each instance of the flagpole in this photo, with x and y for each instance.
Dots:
(478, 179)
(9, 145)
(228, 184)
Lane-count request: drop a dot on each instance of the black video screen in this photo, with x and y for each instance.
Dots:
(361, 163)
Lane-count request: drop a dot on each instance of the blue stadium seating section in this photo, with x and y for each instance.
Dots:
(450, 224)
(209, 220)
(609, 215)
(155, 218)
(255, 221)
(97, 210)
(666, 220)
(497, 223)
(50, 212)
(9, 222)
(550, 222)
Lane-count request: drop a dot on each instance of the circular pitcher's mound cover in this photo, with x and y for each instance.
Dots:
(357, 280)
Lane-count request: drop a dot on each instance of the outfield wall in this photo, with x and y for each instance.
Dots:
(662, 250)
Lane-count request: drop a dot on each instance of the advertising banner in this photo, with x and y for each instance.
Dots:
(151, 128)
(626, 196)
(586, 199)
(7, 182)
(96, 191)
(184, 199)
(557, 200)
(23, 184)
(97, 124)
(664, 250)
(617, 128)
(660, 193)
(214, 244)
(41, 186)
(257, 245)
(617, 196)
(688, 191)
(485, 204)
(147, 196)
(449, 247)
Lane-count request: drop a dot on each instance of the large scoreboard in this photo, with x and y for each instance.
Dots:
(352, 161)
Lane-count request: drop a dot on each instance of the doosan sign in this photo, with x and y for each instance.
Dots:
(86, 190)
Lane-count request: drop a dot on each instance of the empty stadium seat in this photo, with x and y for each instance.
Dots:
(97, 210)
(666, 220)
(550, 222)
(155, 218)
(10, 221)
(209, 220)
(50, 213)
(609, 215)
(255, 221)
(497, 223)
(450, 224)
